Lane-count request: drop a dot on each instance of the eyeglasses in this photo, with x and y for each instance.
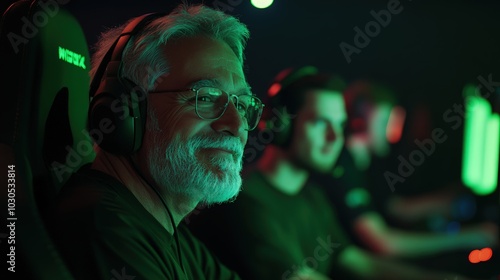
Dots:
(211, 103)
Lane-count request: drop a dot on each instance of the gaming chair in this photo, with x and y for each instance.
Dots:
(45, 83)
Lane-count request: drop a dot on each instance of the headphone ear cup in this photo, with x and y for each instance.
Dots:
(116, 122)
(281, 128)
(139, 103)
(281, 124)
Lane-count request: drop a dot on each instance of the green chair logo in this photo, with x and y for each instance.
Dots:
(72, 57)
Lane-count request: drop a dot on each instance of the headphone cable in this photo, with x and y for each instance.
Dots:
(176, 236)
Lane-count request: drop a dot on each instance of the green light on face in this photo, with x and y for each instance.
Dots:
(261, 4)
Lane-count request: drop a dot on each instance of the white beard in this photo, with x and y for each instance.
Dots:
(179, 168)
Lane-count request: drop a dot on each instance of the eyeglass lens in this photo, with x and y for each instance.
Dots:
(212, 102)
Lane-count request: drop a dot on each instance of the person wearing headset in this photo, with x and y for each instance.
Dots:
(171, 101)
(282, 226)
(374, 122)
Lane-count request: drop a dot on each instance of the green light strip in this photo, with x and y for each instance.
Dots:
(492, 147)
(478, 111)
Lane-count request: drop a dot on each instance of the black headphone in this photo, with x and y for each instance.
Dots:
(118, 106)
(360, 97)
(281, 126)
(359, 100)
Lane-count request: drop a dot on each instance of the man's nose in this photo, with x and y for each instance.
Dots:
(333, 134)
(231, 121)
(235, 100)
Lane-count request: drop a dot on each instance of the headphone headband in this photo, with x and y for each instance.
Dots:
(115, 52)
(282, 127)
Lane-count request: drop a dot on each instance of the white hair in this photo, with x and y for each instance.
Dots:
(143, 60)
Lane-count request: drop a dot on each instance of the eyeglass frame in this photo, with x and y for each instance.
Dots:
(230, 96)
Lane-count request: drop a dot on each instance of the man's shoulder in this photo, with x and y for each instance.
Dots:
(88, 186)
(91, 194)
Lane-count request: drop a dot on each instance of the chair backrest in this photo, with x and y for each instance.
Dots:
(45, 83)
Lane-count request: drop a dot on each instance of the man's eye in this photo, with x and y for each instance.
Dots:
(208, 95)
(207, 98)
(242, 106)
(320, 123)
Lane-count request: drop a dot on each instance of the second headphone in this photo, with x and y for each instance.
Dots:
(276, 117)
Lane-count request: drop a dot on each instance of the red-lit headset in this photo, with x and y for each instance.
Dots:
(275, 117)
(360, 97)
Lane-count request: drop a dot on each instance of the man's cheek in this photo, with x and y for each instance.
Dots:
(244, 140)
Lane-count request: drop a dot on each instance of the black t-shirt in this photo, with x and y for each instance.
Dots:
(347, 189)
(104, 232)
(267, 234)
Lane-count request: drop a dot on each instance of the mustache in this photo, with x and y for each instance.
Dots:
(229, 143)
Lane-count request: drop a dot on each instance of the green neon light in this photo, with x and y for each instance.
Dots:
(72, 57)
(491, 149)
(481, 146)
(477, 114)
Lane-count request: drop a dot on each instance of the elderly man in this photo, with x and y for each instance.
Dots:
(174, 107)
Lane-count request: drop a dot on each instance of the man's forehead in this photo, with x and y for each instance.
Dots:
(325, 103)
(224, 61)
(203, 50)
(240, 88)
(324, 99)
(203, 58)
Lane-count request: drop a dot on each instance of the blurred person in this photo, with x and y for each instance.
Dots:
(374, 129)
(282, 226)
(375, 121)
(174, 109)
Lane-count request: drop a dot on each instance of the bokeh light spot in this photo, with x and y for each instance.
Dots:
(485, 254)
(261, 4)
(274, 89)
(474, 256)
